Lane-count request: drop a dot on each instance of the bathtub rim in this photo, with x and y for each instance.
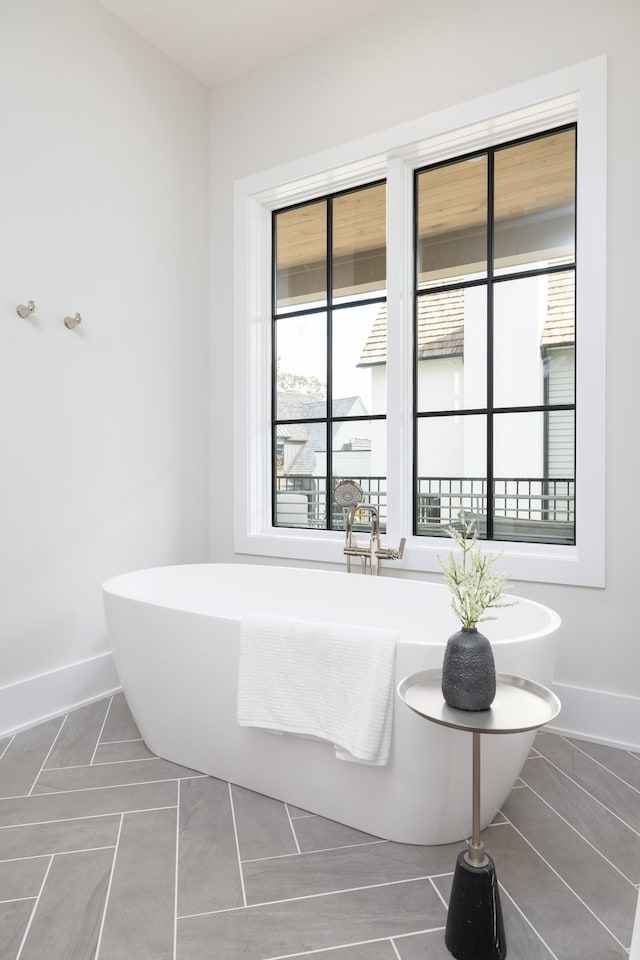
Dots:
(110, 587)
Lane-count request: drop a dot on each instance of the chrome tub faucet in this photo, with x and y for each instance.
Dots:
(349, 495)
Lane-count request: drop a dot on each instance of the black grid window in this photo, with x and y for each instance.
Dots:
(328, 380)
(494, 335)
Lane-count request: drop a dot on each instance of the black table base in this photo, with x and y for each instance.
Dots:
(475, 929)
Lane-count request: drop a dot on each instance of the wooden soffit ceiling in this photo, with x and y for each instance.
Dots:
(531, 179)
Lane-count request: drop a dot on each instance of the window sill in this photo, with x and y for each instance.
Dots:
(536, 563)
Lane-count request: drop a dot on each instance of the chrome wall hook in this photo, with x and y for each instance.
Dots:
(71, 322)
(25, 310)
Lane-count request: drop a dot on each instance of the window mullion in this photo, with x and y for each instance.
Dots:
(489, 503)
(400, 286)
(329, 411)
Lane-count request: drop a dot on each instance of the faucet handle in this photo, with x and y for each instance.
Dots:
(398, 554)
(388, 553)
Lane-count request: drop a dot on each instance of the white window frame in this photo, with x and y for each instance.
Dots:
(577, 93)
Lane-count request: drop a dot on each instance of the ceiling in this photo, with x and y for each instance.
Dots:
(218, 41)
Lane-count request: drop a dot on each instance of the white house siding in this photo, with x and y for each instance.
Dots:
(560, 434)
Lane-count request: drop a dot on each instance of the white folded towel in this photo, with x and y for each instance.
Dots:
(328, 680)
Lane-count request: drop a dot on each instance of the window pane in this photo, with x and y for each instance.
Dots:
(452, 349)
(559, 338)
(359, 363)
(534, 338)
(535, 202)
(452, 221)
(360, 454)
(301, 256)
(359, 243)
(451, 461)
(300, 474)
(534, 468)
(301, 351)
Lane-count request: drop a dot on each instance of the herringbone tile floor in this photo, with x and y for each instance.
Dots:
(109, 853)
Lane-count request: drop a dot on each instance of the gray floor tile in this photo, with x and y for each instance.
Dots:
(119, 724)
(63, 836)
(264, 829)
(312, 923)
(14, 918)
(22, 761)
(592, 877)
(316, 833)
(67, 921)
(88, 803)
(570, 930)
(381, 950)
(78, 737)
(298, 812)
(334, 903)
(600, 827)
(139, 921)
(123, 750)
(423, 946)
(618, 796)
(343, 869)
(622, 763)
(523, 942)
(208, 869)
(109, 775)
(22, 878)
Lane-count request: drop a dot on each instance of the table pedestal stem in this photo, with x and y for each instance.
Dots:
(475, 855)
(475, 928)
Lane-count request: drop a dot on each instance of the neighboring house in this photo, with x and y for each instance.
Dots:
(301, 452)
(558, 352)
(534, 353)
(533, 364)
(302, 446)
(290, 437)
(451, 337)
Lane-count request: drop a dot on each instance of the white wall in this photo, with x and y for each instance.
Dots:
(413, 60)
(104, 430)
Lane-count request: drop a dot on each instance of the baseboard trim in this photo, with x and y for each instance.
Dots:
(609, 718)
(49, 695)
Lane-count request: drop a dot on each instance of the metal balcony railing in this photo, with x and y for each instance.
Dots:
(303, 500)
(524, 509)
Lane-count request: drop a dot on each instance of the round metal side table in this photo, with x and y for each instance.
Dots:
(475, 929)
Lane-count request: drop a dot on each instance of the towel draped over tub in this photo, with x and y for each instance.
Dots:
(327, 680)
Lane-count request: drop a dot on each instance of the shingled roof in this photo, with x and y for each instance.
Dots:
(441, 323)
(302, 407)
(313, 435)
(440, 329)
(560, 325)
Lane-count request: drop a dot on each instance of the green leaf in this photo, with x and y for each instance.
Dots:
(474, 588)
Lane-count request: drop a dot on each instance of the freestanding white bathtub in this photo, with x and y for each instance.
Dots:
(174, 633)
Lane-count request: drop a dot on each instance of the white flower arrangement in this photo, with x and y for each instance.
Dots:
(474, 588)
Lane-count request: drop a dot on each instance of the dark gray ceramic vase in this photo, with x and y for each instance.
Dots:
(468, 671)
